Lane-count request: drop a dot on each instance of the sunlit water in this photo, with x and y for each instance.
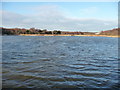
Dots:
(59, 62)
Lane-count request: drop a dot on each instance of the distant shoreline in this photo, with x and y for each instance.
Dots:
(65, 35)
(45, 32)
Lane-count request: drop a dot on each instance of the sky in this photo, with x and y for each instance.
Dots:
(64, 16)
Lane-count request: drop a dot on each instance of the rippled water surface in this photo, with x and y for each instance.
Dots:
(60, 62)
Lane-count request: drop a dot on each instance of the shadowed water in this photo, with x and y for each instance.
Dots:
(60, 62)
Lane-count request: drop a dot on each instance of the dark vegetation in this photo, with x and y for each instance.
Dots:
(18, 31)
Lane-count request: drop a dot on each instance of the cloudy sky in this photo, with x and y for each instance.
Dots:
(66, 16)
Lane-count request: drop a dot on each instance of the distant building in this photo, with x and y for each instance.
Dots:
(97, 33)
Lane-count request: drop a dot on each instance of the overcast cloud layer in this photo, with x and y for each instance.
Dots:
(51, 18)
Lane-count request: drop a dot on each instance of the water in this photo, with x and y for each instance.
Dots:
(59, 62)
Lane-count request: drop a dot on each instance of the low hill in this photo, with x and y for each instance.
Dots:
(113, 32)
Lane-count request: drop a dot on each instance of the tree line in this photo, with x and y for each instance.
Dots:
(17, 31)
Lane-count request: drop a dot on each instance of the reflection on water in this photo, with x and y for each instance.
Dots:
(60, 62)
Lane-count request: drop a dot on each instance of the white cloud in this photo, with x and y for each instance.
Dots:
(89, 10)
(51, 18)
